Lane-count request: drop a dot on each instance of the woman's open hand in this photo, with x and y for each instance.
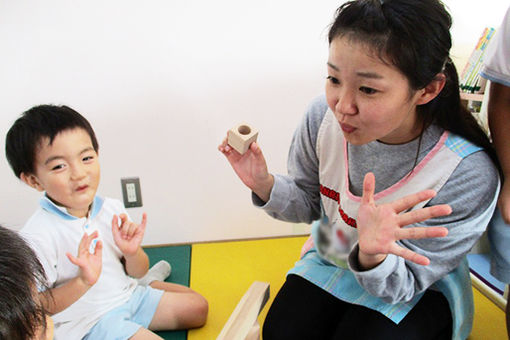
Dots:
(380, 226)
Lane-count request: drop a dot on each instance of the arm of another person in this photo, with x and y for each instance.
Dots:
(472, 201)
(499, 124)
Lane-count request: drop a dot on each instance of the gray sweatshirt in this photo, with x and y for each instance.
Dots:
(469, 191)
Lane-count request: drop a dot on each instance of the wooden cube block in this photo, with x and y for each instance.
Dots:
(241, 136)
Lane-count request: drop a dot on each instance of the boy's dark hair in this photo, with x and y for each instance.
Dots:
(415, 37)
(33, 126)
(20, 274)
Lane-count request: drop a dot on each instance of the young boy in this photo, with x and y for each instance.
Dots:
(20, 274)
(90, 257)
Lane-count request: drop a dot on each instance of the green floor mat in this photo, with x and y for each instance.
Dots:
(179, 258)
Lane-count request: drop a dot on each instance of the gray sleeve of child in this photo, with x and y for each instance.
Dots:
(295, 197)
(472, 197)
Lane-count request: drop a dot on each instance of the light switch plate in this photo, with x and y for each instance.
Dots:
(131, 192)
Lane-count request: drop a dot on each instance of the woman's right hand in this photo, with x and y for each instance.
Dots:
(251, 168)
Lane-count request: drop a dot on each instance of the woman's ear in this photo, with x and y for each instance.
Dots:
(432, 89)
(31, 180)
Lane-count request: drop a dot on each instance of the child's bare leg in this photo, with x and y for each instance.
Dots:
(171, 287)
(145, 334)
(180, 307)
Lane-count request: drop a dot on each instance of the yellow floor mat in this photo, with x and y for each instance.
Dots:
(489, 322)
(224, 271)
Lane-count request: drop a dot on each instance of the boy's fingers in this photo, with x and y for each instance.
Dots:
(115, 222)
(124, 225)
(92, 237)
(98, 251)
(83, 241)
(129, 229)
(144, 221)
(115, 225)
(73, 259)
(123, 220)
(368, 189)
(86, 240)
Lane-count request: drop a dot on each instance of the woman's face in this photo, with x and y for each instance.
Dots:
(371, 99)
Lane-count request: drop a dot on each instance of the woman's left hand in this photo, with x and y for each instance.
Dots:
(380, 226)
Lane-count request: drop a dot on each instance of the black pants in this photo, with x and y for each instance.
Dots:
(301, 310)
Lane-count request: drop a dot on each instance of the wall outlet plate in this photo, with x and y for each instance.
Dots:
(131, 192)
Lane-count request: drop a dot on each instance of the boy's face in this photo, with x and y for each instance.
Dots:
(68, 170)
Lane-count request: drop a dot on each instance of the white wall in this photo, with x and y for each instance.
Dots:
(469, 20)
(161, 82)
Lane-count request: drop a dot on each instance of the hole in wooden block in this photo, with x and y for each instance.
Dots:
(241, 136)
(244, 129)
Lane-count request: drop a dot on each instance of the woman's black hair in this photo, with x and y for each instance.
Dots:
(414, 36)
(21, 273)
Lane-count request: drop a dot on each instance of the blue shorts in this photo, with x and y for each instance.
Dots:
(124, 321)
(499, 238)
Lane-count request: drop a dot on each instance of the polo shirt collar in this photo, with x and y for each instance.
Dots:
(61, 212)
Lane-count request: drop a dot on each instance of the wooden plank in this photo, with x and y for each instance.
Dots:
(243, 319)
(223, 271)
(488, 292)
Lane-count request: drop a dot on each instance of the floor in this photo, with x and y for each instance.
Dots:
(223, 271)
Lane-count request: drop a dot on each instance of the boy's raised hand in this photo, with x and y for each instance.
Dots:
(129, 235)
(380, 226)
(90, 264)
(251, 168)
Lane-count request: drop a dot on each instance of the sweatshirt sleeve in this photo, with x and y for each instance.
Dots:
(295, 197)
(472, 198)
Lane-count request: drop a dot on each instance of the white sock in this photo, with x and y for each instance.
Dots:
(158, 272)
